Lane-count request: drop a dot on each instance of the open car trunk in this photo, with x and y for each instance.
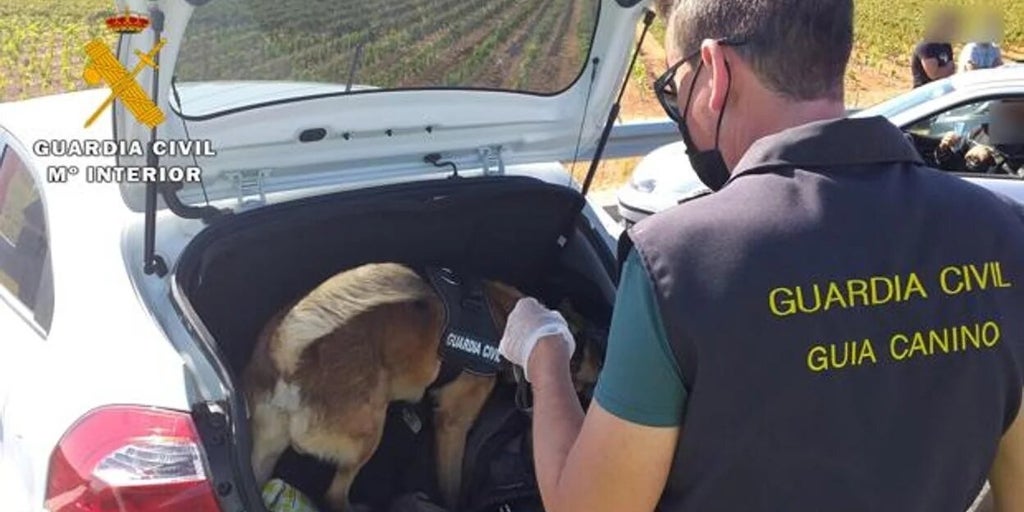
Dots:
(241, 270)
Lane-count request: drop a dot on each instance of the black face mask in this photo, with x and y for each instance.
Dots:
(709, 165)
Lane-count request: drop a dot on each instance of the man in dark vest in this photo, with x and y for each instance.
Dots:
(837, 327)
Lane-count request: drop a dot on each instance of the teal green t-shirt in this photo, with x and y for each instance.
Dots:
(640, 381)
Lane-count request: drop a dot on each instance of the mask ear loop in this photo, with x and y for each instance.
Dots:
(693, 85)
(687, 138)
(721, 116)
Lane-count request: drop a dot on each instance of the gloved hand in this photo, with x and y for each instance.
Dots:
(528, 323)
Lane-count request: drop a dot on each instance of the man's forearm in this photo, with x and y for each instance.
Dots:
(557, 416)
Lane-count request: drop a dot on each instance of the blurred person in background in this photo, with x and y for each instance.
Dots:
(983, 52)
(933, 57)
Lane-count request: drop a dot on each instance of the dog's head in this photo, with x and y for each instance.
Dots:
(590, 346)
(590, 341)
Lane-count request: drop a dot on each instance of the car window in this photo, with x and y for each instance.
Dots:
(965, 119)
(25, 270)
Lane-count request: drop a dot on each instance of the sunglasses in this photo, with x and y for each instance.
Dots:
(665, 86)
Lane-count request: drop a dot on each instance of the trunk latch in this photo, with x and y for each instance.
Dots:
(490, 157)
(249, 189)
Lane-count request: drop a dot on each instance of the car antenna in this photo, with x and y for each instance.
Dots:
(356, 59)
(614, 113)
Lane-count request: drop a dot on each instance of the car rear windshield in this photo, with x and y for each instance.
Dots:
(533, 46)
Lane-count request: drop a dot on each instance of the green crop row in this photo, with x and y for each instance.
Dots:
(403, 43)
(423, 63)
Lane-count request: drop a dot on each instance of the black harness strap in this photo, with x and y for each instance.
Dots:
(469, 341)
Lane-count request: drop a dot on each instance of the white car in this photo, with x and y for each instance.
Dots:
(661, 180)
(127, 310)
(960, 103)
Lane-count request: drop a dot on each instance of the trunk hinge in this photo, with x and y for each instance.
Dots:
(249, 185)
(490, 157)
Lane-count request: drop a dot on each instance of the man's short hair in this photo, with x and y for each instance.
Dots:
(798, 48)
(663, 8)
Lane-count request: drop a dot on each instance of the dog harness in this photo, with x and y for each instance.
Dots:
(469, 341)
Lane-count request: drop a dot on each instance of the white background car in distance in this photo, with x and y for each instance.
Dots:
(661, 180)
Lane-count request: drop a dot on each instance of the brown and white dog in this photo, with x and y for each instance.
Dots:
(326, 367)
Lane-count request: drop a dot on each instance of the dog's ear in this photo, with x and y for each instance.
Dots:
(587, 371)
(574, 319)
(501, 298)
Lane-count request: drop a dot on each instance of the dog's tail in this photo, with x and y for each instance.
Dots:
(337, 301)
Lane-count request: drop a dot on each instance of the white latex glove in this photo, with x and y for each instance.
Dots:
(528, 323)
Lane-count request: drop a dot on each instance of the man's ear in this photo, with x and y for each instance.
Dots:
(713, 54)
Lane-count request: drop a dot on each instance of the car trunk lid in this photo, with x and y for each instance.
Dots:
(271, 135)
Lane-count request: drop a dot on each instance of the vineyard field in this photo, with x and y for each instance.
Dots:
(534, 45)
(41, 44)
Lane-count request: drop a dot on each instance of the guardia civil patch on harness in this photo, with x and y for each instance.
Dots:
(470, 338)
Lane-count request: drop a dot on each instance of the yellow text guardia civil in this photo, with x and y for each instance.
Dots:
(876, 291)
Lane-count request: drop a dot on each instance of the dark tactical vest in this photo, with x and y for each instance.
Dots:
(848, 324)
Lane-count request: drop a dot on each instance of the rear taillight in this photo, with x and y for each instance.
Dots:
(129, 459)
